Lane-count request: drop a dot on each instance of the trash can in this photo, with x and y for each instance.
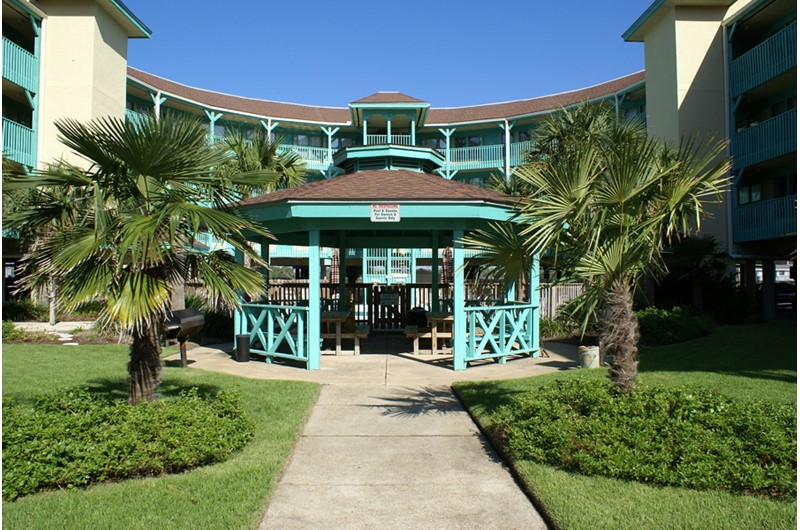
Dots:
(590, 356)
(243, 348)
(417, 317)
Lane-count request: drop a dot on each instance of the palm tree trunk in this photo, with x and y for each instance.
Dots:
(620, 336)
(145, 365)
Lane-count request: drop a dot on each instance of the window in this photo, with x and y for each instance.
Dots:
(461, 141)
(301, 139)
(315, 141)
(474, 141)
(524, 136)
(751, 193)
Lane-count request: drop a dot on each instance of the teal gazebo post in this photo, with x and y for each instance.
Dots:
(314, 301)
(435, 272)
(459, 313)
(342, 273)
(533, 296)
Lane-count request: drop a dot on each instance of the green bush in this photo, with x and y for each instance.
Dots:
(12, 334)
(560, 327)
(682, 437)
(24, 310)
(668, 326)
(219, 323)
(71, 438)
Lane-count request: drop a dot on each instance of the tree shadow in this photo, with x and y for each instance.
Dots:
(117, 389)
(424, 401)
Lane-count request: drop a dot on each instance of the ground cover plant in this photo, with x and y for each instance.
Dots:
(668, 326)
(230, 494)
(743, 365)
(73, 438)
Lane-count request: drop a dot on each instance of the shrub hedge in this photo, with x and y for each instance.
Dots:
(682, 437)
(24, 310)
(72, 438)
(668, 326)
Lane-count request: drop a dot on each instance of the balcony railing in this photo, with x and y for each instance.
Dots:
(383, 139)
(519, 150)
(765, 219)
(315, 158)
(477, 157)
(19, 143)
(20, 66)
(772, 57)
(772, 138)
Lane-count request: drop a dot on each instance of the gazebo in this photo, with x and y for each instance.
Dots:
(384, 209)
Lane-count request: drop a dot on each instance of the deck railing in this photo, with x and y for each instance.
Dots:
(501, 330)
(20, 66)
(477, 157)
(19, 143)
(315, 158)
(552, 297)
(771, 138)
(275, 330)
(765, 219)
(383, 139)
(772, 57)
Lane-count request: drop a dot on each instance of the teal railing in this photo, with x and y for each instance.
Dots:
(275, 330)
(500, 331)
(315, 158)
(383, 139)
(774, 137)
(772, 57)
(765, 219)
(18, 143)
(477, 157)
(519, 150)
(20, 66)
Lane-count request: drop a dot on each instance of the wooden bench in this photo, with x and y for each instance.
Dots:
(361, 332)
(415, 333)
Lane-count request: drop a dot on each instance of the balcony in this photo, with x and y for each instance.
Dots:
(315, 158)
(487, 156)
(382, 139)
(772, 138)
(19, 143)
(772, 57)
(20, 66)
(765, 219)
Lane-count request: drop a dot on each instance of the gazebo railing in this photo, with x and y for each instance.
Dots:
(501, 330)
(273, 326)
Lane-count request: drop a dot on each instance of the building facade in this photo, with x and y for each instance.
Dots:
(712, 66)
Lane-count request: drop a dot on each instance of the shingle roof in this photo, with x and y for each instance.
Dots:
(259, 107)
(388, 97)
(383, 185)
(530, 106)
(341, 115)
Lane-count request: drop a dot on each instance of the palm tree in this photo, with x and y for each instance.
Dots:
(259, 152)
(606, 199)
(151, 186)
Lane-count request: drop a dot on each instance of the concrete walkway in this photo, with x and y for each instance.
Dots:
(388, 445)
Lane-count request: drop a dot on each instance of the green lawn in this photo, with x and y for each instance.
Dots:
(757, 362)
(232, 494)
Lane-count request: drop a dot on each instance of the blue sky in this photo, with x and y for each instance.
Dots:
(331, 53)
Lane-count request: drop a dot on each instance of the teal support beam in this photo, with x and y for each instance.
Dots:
(413, 131)
(314, 297)
(459, 312)
(265, 270)
(158, 100)
(511, 288)
(388, 129)
(238, 314)
(330, 131)
(212, 118)
(413, 271)
(447, 134)
(533, 296)
(364, 140)
(269, 125)
(342, 273)
(507, 155)
(389, 265)
(32, 97)
(435, 272)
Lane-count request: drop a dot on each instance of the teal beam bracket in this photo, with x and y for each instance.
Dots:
(736, 101)
(448, 174)
(330, 172)
(212, 118)
(269, 125)
(330, 131)
(447, 134)
(314, 334)
(34, 25)
(732, 30)
(158, 100)
(459, 310)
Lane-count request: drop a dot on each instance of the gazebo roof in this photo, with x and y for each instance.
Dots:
(383, 185)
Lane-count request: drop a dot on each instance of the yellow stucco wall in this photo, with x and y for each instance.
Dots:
(83, 70)
(685, 69)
